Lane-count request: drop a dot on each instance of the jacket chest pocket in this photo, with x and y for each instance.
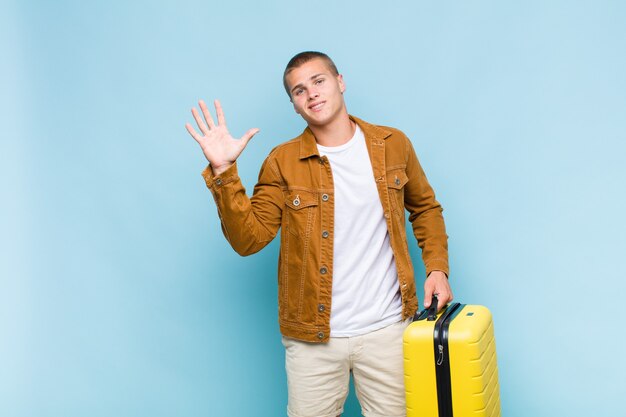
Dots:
(300, 212)
(396, 180)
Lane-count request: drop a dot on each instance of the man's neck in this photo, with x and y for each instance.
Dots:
(335, 133)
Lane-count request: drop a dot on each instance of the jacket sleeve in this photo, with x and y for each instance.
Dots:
(249, 224)
(425, 215)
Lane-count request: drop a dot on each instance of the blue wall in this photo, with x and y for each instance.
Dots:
(120, 296)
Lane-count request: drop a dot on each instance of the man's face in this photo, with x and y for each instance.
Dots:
(316, 93)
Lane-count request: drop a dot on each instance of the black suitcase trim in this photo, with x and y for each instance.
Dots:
(442, 359)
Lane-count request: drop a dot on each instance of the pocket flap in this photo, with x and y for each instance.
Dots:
(300, 200)
(397, 179)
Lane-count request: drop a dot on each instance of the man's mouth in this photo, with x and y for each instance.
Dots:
(317, 106)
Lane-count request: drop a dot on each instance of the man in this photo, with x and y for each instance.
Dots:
(338, 192)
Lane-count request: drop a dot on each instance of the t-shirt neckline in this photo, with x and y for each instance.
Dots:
(348, 144)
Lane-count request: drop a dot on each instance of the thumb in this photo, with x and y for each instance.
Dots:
(428, 298)
(248, 135)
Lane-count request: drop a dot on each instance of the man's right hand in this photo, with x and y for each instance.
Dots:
(219, 147)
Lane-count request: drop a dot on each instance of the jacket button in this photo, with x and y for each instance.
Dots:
(324, 197)
(386, 215)
(397, 181)
(320, 335)
(296, 202)
(218, 181)
(323, 270)
(325, 234)
(321, 308)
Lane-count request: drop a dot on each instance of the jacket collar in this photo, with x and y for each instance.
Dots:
(308, 145)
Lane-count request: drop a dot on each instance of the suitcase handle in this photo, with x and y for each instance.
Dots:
(430, 313)
(432, 310)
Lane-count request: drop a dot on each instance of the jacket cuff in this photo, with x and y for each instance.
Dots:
(216, 182)
(438, 265)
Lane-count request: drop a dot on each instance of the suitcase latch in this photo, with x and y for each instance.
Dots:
(440, 358)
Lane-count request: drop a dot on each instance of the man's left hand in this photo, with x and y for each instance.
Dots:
(437, 283)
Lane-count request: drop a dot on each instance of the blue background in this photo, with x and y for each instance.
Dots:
(120, 296)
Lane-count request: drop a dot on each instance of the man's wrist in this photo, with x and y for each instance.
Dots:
(218, 170)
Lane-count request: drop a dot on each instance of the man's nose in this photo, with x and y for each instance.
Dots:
(313, 94)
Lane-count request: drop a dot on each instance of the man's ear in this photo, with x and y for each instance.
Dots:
(294, 107)
(342, 85)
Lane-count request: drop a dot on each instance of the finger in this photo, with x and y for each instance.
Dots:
(199, 121)
(429, 289)
(192, 132)
(221, 120)
(207, 114)
(445, 297)
(443, 301)
(428, 297)
(248, 135)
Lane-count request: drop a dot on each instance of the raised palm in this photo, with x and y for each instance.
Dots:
(219, 147)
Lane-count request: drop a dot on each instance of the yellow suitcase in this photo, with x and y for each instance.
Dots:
(450, 364)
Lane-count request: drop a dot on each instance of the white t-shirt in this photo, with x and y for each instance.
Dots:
(366, 293)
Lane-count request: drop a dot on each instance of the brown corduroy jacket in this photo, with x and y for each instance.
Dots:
(295, 193)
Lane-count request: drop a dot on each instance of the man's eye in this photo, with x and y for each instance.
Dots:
(321, 80)
(298, 92)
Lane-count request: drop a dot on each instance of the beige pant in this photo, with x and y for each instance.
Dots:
(318, 375)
